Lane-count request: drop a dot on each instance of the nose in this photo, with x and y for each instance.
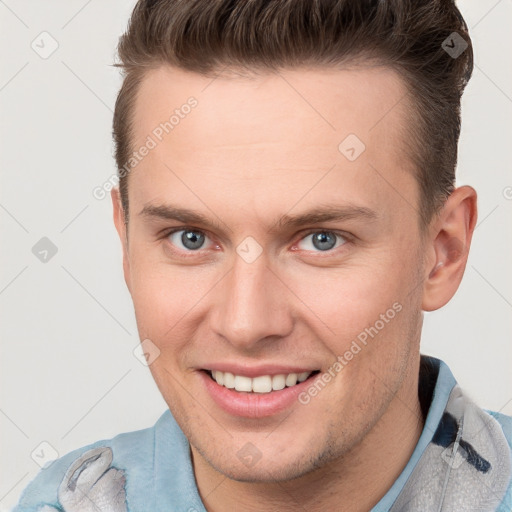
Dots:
(253, 306)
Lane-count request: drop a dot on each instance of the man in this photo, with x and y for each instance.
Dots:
(287, 211)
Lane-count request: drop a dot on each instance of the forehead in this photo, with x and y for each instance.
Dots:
(367, 101)
(253, 138)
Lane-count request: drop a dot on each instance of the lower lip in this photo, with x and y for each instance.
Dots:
(253, 405)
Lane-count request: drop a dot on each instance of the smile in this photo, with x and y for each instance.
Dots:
(266, 392)
(259, 384)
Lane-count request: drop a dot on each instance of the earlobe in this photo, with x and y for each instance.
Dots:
(450, 241)
(121, 228)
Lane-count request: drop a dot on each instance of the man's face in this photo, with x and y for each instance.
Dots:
(253, 296)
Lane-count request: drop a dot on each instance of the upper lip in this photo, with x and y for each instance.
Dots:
(256, 371)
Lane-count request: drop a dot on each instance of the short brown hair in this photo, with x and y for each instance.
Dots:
(409, 36)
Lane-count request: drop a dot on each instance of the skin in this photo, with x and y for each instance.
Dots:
(253, 150)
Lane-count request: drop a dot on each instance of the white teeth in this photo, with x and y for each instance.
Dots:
(219, 377)
(303, 376)
(243, 383)
(291, 379)
(260, 384)
(229, 380)
(278, 382)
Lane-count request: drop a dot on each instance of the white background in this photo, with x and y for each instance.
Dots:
(68, 374)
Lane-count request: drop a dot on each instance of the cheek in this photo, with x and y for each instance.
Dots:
(348, 297)
(363, 309)
(170, 303)
(161, 294)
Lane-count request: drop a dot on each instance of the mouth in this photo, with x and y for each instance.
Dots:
(263, 394)
(262, 384)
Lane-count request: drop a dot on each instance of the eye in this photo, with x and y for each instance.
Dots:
(190, 239)
(193, 240)
(323, 240)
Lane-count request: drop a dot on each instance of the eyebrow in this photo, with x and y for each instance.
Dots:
(316, 215)
(326, 213)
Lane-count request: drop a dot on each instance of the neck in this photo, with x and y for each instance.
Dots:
(354, 482)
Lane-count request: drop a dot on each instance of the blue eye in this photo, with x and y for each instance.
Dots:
(193, 240)
(190, 239)
(324, 240)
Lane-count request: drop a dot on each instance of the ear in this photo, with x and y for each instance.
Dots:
(121, 228)
(448, 245)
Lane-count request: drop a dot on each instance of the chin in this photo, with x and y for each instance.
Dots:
(277, 468)
(269, 472)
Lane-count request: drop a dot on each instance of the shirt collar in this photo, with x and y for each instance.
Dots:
(443, 386)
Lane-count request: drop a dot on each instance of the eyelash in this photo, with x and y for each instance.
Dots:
(345, 236)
